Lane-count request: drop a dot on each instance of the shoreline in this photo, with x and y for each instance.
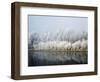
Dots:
(61, 50)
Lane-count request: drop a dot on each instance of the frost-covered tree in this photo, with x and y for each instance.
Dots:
(62, 39)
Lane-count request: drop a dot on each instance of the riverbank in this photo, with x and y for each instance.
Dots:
(60, 50)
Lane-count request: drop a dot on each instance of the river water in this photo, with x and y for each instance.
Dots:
(46, 58)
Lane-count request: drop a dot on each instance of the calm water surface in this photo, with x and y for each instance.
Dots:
(45, 58)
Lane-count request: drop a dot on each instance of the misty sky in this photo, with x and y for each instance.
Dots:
(41, 24)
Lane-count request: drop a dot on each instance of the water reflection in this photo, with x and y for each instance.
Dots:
(44, 58)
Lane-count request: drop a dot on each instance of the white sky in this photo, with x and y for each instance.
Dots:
(41, 24)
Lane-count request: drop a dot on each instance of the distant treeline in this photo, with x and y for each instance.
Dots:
(61, 40)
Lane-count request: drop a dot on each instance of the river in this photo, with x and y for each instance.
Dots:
(46, 58)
